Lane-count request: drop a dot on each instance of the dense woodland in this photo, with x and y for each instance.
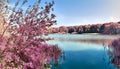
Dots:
(106, 28)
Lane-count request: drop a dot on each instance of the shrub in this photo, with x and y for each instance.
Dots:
(25, 47)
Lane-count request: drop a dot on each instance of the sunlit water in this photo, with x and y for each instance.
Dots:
(83, 51)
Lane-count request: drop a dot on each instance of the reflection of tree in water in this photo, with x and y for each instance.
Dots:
(114, 53)
(55, 64)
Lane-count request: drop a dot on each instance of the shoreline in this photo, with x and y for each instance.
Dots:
(106, 28)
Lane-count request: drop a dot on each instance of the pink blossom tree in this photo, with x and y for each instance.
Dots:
(24, 47)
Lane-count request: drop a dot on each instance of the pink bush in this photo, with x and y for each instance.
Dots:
(25, 47)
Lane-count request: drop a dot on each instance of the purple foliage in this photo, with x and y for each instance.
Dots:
(25, 47)
(115, 52)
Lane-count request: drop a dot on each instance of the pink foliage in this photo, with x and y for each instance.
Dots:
(114, 50)
(26, 48)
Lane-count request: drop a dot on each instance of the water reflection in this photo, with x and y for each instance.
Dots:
(84, 51)
(114, 53)
(76, 46)
(85, 38)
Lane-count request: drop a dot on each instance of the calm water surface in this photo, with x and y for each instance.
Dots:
(83, 51)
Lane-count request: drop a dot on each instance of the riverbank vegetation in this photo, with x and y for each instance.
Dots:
(106, 28)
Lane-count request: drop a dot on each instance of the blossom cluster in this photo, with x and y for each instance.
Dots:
(25, 47)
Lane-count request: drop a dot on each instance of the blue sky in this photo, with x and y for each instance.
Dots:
(80, 12)
(77, 12)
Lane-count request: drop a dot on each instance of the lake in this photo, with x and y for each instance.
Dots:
(83, 51)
